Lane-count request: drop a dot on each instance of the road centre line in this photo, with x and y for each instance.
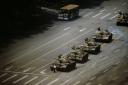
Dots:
(88, 14)
(67, 28)
(53, 81)
(76, 83)
(31, 80)
(58, 47)
(38, 83)
(105, 16)
(64, 83)
(39, 47)
(3, 75)
(97, 15)
(114, 16)
(20, 79)
(9, 78)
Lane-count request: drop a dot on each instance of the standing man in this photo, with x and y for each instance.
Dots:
(54, 68)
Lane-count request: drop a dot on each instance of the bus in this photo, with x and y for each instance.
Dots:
(68, 12)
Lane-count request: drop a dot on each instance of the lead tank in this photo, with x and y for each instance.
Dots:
(64, 65)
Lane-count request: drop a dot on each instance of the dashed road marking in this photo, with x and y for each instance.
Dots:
(20, 79)
(31, 80)
(93, 65)
(8, 68)
(64, 83)
(105, 16)
(93, 78)
(83, 29)
(22, 73)
(96, 15)
(115, 8)
(117, 11)
(38, 83)
(53, 81)
(2, 75)
(9, 78)
(103, 10)
(67, 28)
(38, 47)
(26, 70)
(43, 66)
(60, 47)
(88, 14)
(42, 72)
(76, 83)
(99, 84)
(88, 83)
(117, 50)
(114, 16)
(124, 3)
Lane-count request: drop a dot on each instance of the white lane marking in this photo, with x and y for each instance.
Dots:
(88, 83)
(31, 80)
(9, 78)
(64, 83)
(42, 72)
(117, 63)
(93, 78)
(76, 83)
(124, 3)
(53, 81)
(117, 50)
(8, 68)
(43, 66)
(117, 11)
(115, 8)
(93, 65)
(39, 47)
(96, 15)
(67, 28)
(105, 16)
(114, 16)
(2, 75)
(103, 10)
(26, 70)
(38, 83)
(20, 79)
(58, 48)
(99, 84)
(87, 14)
(83, 29)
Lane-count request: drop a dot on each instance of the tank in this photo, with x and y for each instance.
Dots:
(104, 37)
(65, 66)
(122, 19)
(90, 47)
(78, 55)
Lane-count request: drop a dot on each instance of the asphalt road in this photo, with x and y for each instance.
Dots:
(26, 62)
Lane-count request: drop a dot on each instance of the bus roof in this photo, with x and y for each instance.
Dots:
(70, 6)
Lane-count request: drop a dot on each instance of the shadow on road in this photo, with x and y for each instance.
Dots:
(22, 24)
